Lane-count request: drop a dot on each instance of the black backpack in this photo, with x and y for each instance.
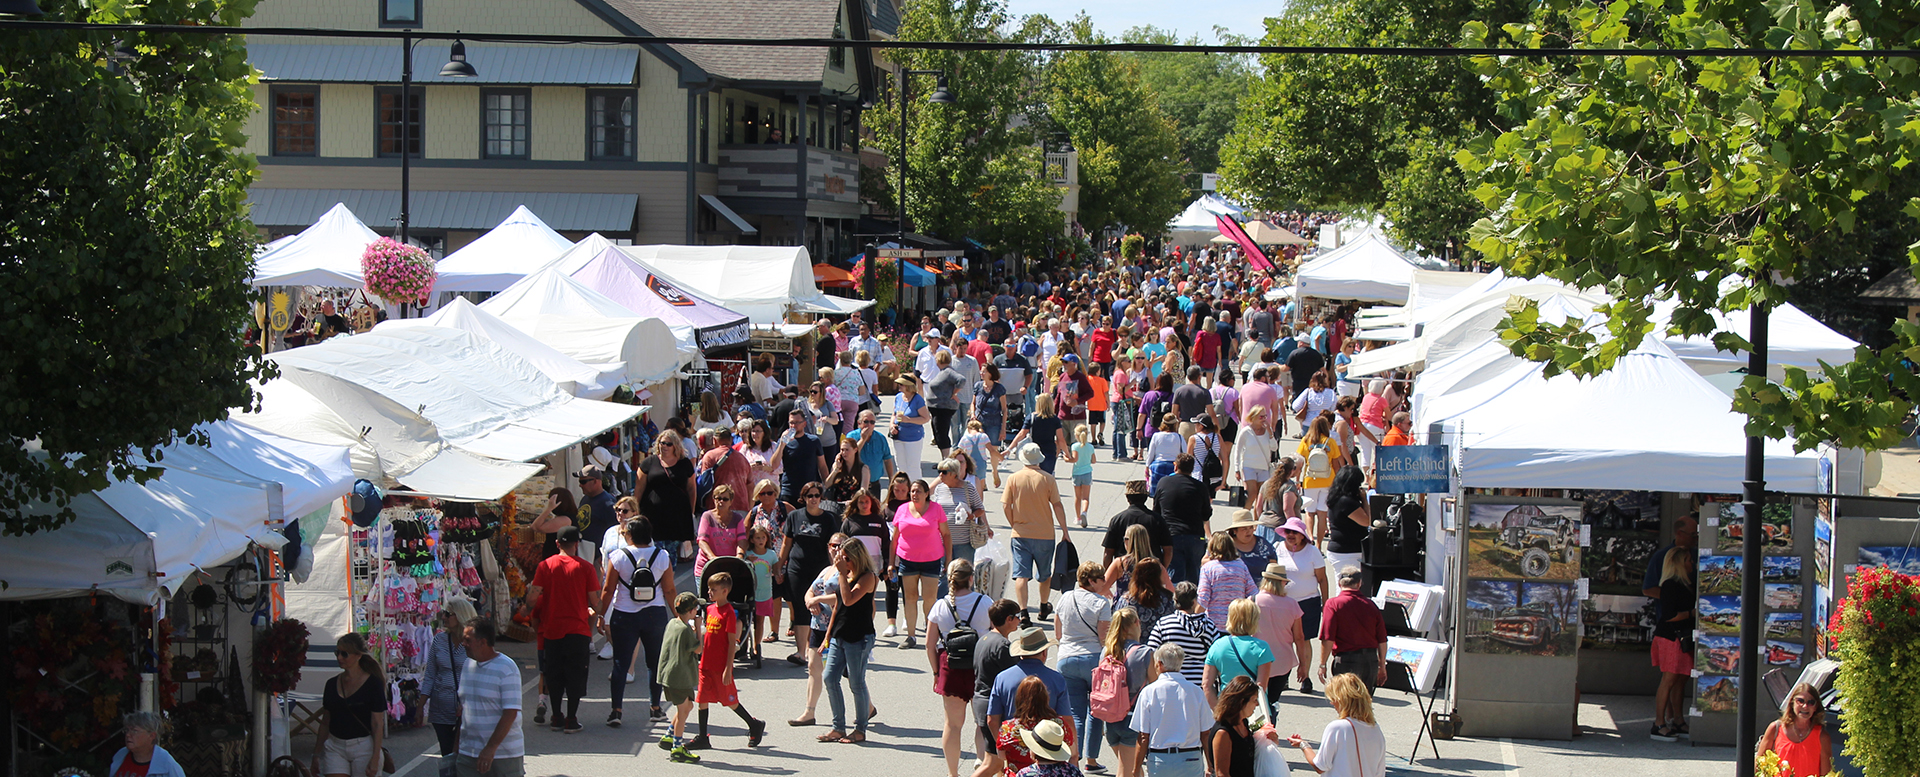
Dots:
(641, 587)
(960, 640)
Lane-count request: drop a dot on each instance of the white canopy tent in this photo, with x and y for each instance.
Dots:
(592, 381)
(325, 254)
(141, 542)
(1471, 322)
(1196, 225)
(505, 254)
(388, 443)
(480, 396)
(765, 283)
(1366, 268)
(588, 326)
(1793, 339)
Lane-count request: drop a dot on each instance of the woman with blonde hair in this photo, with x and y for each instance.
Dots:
(1352, 745)
(1257, 451)
(850, 641)
(353, 714)
(1322, 457)
(446, 658)
(1080, 623)
(1242, 653)
(1123, 645)
(1675, 663)
(1799, 737)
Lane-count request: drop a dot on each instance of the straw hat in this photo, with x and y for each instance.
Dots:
(1047, 741)
(1028, 641)
(1243, 519)
(1275, 571)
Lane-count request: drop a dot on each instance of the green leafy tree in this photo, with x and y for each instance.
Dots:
(1366, 133)
(973, 171)
(125, 243)
(1130, 171)
(1706, 181)
(1200, 92)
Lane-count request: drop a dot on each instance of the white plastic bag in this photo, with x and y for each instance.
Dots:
(991, 563)
(1269, 759)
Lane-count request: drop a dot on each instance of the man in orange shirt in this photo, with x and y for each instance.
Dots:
(1097, 404)
(1397, 434)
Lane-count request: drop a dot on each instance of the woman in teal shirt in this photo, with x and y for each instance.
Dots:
(1239, 654)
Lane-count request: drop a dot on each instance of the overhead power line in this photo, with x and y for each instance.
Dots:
(1146, 48)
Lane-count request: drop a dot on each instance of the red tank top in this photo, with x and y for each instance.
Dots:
(1802, 757)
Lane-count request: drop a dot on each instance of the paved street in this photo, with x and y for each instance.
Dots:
(905, 738)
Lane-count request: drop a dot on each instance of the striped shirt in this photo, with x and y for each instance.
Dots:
(1194, 633)
(1221, 582)
(487, 690)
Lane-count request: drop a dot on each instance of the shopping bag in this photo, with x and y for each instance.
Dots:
(990, 566)
(1269, 760)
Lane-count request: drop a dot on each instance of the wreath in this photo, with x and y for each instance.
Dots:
(397, 272)
(279, 654)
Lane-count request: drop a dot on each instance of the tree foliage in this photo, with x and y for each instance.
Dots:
(973, 171)
(125, 245)
(1369, 133)
(1130, 171)
(1200, 92)
(1702, 180)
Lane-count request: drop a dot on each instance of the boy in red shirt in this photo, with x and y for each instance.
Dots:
(718, 640)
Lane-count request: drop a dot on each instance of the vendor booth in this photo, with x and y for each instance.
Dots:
(710, 327)
(1367, 268)
(586, 325)
(325, 254)
(500, 258)
(590, 381)
(765, 283)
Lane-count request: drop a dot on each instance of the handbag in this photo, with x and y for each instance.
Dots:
(977, 535)
(386, 761)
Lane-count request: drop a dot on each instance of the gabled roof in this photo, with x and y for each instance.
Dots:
(743, 19)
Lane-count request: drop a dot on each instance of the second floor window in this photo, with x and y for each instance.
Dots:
(400, 13)
(296, 121)
(392, 123)
(505, 122)
(610, 125)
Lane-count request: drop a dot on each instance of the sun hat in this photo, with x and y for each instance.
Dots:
(1031, 455)
(1047, 740)
(1275, 571)
(1243, 519)
(1295, 524)
(1028, 641)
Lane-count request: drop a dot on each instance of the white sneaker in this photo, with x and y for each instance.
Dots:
(606, 652)
(1083, 520)
(892, 631)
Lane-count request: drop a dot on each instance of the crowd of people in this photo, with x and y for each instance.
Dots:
(799, 501)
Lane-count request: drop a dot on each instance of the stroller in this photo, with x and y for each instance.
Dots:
(741, 597)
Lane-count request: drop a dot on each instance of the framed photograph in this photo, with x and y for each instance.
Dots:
(1621, 511)
(1615, 622)
(1786, 625)
(1533, 542)
(1716, 693)
(1422, 658)
(1719, 575)
(1780, 569)
(1717, 655)
(1512, 617)
(1616, 562)
(1785, 596)
(1783, 653)
(1423, 602)
(1905, 560)
(1719, 614)
(1823, 547)
(1776, 528)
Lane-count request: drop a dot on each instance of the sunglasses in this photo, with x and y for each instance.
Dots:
(832, 545)
(723, 499)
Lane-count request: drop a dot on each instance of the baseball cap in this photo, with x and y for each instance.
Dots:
(590, 472)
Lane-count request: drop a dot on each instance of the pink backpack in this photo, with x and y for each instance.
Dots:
(1110, 699)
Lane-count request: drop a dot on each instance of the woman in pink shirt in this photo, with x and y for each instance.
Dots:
(722, 532)
(921, 543)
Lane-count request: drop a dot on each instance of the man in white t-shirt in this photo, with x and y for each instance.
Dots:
(636, 611)
(491, 742)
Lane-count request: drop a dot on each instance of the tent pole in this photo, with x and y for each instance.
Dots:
(1753, 500)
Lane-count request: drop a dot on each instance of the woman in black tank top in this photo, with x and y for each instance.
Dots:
(850, 641)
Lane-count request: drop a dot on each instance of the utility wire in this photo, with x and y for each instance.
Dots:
(1151, 48)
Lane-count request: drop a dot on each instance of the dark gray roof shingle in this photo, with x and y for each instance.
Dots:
(742, 19)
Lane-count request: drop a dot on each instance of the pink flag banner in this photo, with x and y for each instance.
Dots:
(1232, 230)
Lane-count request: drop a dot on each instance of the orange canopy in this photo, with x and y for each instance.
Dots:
(829, 276)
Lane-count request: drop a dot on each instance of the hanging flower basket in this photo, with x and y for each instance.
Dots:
(886, 284)
(397, 272)
(279, 654)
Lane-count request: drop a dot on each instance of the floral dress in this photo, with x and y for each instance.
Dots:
(1014, 749)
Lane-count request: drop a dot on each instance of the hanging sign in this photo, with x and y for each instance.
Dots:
(1412, 469)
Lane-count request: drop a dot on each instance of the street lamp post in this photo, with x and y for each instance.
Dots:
(456, 67)
(941, 96)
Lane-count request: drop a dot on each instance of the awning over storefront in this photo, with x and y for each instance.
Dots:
(361, 63)
(480, 211)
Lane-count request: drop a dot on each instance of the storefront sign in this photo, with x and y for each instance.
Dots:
(1412, 469)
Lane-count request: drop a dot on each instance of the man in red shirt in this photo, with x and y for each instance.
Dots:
(1397, 434)
(560, 598)
(1354, 633)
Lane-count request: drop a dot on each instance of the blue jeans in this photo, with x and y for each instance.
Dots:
(647, 627)
(959, 423)
(1079, 673)
(1122, 418)
(1033, 559)
(1188, 552)
(1186, 764)
(848, 660)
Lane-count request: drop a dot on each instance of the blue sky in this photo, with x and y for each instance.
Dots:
(1241, 17)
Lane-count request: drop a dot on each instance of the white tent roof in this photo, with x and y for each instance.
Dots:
(762, 282)
(325, 254)
(481, 397)
(1650, 423)
(398, 446)
(1366, 268)
(1471, 322)
(574, 376)
(1196, 224)
(589, 326)
(1793, 338)
(139, 542)
(505, 254)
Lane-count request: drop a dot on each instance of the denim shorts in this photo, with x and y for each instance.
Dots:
(922, 568)
(1032, 558)
(1121, 735)
(1083, 478)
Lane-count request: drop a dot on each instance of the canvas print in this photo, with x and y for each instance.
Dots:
(1785, 625)
(1716, 693)
(1422, 658)
(1822, 604)
(1536, 542)
(1776, 528)
(1823, 549)
(1621, 511)
(1719, 575)
(1618, 622)
(1719, 614)
(1905, 560)
(1422, 602)
(1780, 569)
(1783, 597)
(1783, 653)
(1521, 618)
(1717, 655)
(1615, 562)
